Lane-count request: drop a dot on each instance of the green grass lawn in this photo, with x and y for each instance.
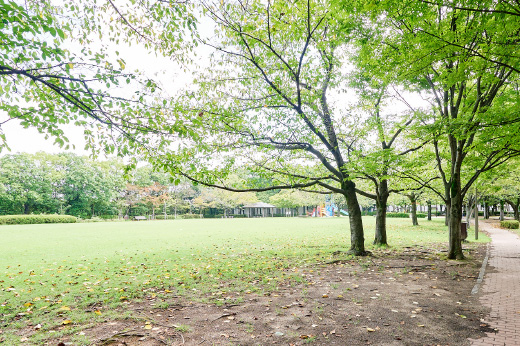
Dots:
(56, 274)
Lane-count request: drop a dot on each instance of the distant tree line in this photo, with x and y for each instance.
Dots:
(75, 185)
(69, 184)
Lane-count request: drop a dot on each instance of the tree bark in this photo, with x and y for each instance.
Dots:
(469, 211)
(486, 211)
(414, 213)
(357, 239)
(447, 214)
(381, 205)
(501, 211)
(455, 217)
(429, 210)
(380, 236)
(515, 207)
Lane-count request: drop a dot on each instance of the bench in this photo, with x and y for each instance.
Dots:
(139, 218)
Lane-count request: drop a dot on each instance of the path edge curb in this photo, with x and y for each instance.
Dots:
(481, 273)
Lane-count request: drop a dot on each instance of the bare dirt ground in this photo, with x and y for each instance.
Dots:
(406, 298)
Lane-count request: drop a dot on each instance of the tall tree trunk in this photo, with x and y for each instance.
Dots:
(380, 236)
(469, 213)
(415, 222)
(447, 208)
(429, 210)
(357, 238)
(515, 204)
(486, 210)
(381, 205)
(515, 207)
(501, 211)
(455, 218)
(469, 210)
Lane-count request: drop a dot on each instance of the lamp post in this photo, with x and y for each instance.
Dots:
(476, 213)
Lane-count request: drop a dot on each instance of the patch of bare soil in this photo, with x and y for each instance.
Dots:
(405, 298)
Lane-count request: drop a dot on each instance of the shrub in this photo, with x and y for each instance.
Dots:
(92, 219)
(511, 224)
(33, 219)
(404, 215)
(108, 217)
(421, 215)
(161, 217)
(190, 216)
(213, 216)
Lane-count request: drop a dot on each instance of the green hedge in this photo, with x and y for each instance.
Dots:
(512, 224)
(107, 217)
(404, 215)
(168, 217)
(32, 219)
(421, 215)
(213, 216)
(190, 216)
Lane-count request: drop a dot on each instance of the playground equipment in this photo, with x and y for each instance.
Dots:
(328, 209)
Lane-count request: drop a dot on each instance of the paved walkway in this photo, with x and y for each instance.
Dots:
(501, 288)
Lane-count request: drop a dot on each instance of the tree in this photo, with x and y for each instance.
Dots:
(393, 158)
(156, 195)
(91, 187)
(45, 85)
(474, 100)
(264, 106)
(26, 186)
(179, 194)
(413, 196)
(63, 183)
(295, 199)
(503, 185)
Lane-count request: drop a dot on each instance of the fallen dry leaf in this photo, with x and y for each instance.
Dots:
(306, 336)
